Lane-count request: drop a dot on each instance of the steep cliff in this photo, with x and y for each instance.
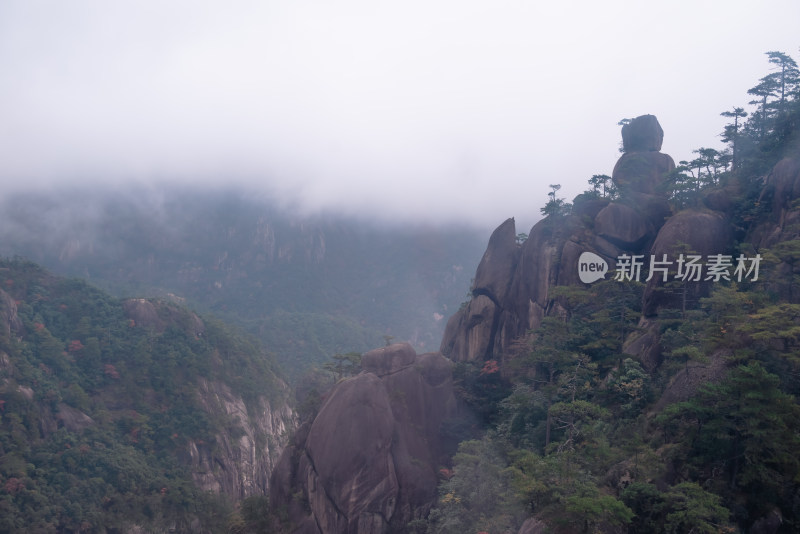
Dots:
(369, 460)
(513, 287)
(580, 396)
(717, 337)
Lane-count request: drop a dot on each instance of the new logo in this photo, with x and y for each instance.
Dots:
(591, 267)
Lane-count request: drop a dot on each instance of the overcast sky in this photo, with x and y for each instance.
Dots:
(455, 110)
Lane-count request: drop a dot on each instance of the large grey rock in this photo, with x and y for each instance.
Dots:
(368, 462)
(696, 232)
(469, 333)
(622, 226)
(387, 360)
(158, 315)
(352, 484)
(238, 465)
(642, 134)
(642, 172)
(493, 276)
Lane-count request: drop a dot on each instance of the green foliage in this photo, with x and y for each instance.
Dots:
(96, 413)
(556, 207)
(306, 286)
(254, 517)
(748, 427)
(315, 336)
(602, 187)
(344, 365)
(592, 508)
(481, 388)
(686, 507)
(475, 495)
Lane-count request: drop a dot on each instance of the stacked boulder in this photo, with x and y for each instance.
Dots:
(367, 463)
(513, 285)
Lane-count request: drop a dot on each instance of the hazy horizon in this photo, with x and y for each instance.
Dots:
(456, 112)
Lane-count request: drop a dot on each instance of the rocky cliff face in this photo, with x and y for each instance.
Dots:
(251, 438)
(240, 463)
(513, 288)
(366, 464)
(368, 461)
(9, 320)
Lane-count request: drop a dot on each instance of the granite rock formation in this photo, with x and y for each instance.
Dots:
(366, 464)
(240, 462)
(9, 320)
(513, 285)
(368, 461)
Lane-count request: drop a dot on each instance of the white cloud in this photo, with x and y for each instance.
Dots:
(441, 109)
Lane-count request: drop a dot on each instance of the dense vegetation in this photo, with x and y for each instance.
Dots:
(306, 286)
(581, 436)
(96, 411)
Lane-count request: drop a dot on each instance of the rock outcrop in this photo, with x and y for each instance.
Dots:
(513, 285)
(781, 193)
(695, 232)
(242, 458)
(368, 461)
(9, 320)
(243, 455)
(158, 315)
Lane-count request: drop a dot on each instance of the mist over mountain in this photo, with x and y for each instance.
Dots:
(657, 395)
(308, 285)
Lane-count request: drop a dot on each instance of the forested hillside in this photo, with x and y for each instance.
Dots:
(636, 404)
(661, 398)
(308, 286)
(117, 415)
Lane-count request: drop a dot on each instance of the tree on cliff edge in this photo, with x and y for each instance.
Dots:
(555, 206)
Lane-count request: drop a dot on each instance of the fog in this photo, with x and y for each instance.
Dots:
(439, 111)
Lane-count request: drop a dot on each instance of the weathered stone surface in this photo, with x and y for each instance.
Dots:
(654, 208)
(72, 419)
(570, 255)
(469, 332)
(642, 134)
(622, 226)
(549, 257)
(158, 315)
(784, 183)
(387, 360)
(588, 208)
(493, 276)
(781, 191)
(643, 172)
(536, 273)
(9, 320)
(237, 465)
(689, 232)
(722, 199)
(143, 313)
(644, 345)
(351, 474)
(695, 375)
(368, 462)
